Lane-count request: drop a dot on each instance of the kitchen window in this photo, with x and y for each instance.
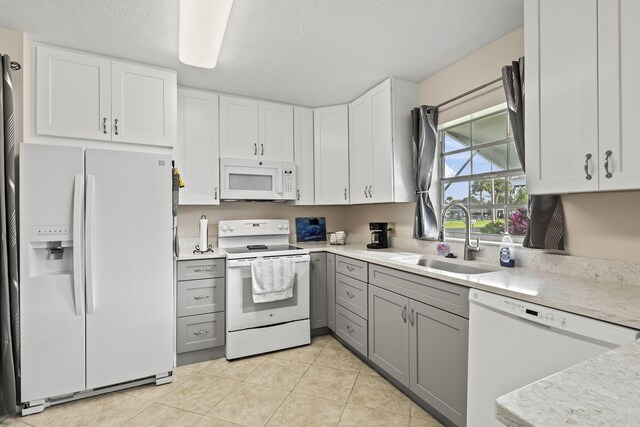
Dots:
(479, 168)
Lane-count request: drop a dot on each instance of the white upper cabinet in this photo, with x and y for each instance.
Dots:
(619, 94)
(73, 93)
(238, 127)
(303, 153)
(582, 95)
(276, 131)
(197, 148)
(143, 104)
(331, 155)
(251, 129)
(91, 97)
(380, 157)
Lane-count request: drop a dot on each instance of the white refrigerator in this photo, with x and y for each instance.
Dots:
(96, 266)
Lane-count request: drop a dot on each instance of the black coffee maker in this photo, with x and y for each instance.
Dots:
(379, 235)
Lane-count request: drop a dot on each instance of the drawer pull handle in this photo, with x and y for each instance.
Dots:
(606, 164)
(350, 329)
(411, 318)
(202, 332)
(350, 267)
(199, 297)
(350, 295)
(404, 313)
(587, 157)
(199, 270)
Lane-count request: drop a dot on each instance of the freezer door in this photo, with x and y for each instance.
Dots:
(129, 266)
(52, 328)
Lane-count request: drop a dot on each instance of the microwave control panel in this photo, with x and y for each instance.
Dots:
(288, 180)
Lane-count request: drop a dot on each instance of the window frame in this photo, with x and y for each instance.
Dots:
(471, 177)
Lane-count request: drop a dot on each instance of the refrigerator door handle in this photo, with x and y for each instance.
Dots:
(89, 243)
(78, 276)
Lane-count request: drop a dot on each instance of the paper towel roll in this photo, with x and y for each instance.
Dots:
(204, 225)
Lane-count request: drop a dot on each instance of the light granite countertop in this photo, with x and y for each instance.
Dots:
(603, 391)
(613, 302)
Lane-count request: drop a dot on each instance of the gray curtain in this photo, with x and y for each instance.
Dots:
(425, 121)
(9, 299)
(546, 217)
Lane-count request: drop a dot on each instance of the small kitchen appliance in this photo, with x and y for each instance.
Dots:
(254, 328)
(379, 235)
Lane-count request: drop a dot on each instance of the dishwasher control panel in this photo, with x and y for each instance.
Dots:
(561, 320)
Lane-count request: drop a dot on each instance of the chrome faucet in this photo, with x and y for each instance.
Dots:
(469, 249)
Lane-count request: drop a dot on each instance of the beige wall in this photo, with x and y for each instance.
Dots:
(189, 216)
(17, 46)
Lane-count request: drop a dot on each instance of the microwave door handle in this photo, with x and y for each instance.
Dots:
(279, 181)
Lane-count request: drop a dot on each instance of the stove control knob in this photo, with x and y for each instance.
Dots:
(279, 226)
(230, 228)
(224, 228)
(285, 226)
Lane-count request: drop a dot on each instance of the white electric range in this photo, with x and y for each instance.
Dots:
(254, 328)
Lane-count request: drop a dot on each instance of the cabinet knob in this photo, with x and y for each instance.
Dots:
(104, 125)
(586, 166)
(115, 125)
(350, 267)
(606, 163)
(350, 295)
(350, 329)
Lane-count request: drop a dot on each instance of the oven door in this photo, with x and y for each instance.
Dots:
(243, 313)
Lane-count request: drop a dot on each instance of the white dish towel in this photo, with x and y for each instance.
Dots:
(272, 279)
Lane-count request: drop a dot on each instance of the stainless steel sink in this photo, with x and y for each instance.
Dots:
(444, 266)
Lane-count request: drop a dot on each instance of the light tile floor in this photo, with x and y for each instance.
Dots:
(322, 384)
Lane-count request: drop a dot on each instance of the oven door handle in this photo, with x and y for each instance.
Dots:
(234, 263)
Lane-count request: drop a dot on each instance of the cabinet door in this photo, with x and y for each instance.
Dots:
(619, 67)
(561, 50)
(438, 359)
(318, 291)
(143, 104)
(360, 149)
(197, 147)
(238, 127)
(303, 150)
(275, 131)
(73, 94)
(331, 155)
(389, 332)
(331, 291)
(382, 181)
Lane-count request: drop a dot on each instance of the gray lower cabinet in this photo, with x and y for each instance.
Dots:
(318, 290)
(389, 332)
(352, 294)
(423, 346)
(438, 359)
(200, 305)
(352, 328)
(331, 291)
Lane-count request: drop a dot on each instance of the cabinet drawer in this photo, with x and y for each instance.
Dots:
(200, 269)
(200, 331)
(352, 268)
(200, 296)
(352, 328)
(444, 295)
(352, 294)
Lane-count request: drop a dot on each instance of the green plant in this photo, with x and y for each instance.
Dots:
(494, 227)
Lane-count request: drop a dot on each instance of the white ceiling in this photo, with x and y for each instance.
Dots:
(306, 52)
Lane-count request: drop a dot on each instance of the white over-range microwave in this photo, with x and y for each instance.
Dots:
(242, 179)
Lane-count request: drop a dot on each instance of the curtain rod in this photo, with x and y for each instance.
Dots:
(499, 79)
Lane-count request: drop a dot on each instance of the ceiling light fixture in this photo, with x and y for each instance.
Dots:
(202, 27)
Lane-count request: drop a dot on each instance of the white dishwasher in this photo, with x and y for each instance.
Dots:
(513, 343)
